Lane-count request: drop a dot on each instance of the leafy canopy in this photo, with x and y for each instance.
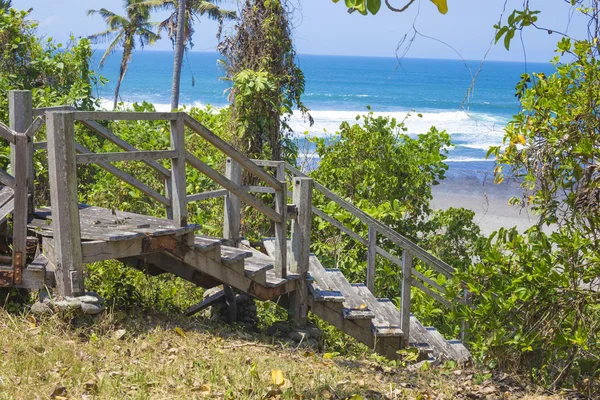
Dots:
(366, 7)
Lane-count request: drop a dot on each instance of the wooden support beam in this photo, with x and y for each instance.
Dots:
(233, 206)
(214, 298)
(107, 134)
(383, 229)
(280, 255)
(124, 116)
(20, 213)
(300, 255)
(20, 118)
(89, 158)
(371, 256)
(232, 187)
(226, 148)
(178, 178)
(126, 177)
(211, 194)
(405, 295)
(62, 171)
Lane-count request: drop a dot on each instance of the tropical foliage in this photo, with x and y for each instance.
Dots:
(366, 7)
(260, 60)
(123, 32)
(186, 10)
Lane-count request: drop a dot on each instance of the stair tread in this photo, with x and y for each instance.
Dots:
(207, 242)
(230, 255)
(334, 280)
(385, 323)
(317, 286)
(257, 263)
(452, 349)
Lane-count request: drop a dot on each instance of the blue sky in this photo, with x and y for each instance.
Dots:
(322, 27)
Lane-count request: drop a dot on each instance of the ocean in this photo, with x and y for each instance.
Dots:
(338, 88)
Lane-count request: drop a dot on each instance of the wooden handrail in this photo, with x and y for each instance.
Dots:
(231, 152)
(417, 251)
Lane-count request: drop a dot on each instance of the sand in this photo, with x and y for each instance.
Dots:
(476, 191)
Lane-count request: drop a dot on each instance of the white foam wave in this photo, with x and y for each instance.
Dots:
(106, 104)
(454, 122)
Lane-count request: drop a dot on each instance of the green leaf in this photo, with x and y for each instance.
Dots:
(350, 3)
(374, 6)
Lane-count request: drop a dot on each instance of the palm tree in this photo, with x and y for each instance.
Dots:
(190, 9)
(123, 32)
(5, 4)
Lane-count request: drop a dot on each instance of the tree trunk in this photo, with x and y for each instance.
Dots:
(178, 58)
(123, 69)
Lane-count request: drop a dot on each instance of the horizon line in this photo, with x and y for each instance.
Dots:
(364, 56)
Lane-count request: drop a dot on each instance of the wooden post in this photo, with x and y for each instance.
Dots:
(62, 172)
(405, 297)
(20, 111)
(300, 257)
(468, 300)
(233, 206)
(21, 172)
(280, 252)
(372, 252)
(178, 180)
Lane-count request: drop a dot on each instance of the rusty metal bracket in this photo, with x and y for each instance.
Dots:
(18, 267)
(7, 277)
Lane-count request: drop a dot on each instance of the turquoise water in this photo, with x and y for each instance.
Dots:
(338, 88)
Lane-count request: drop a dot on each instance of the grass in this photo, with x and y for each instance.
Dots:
(120, 356)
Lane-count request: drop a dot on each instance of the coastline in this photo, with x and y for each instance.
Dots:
(475, 190)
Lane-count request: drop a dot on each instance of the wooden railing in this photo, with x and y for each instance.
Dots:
(410, 276)
(19, 136)
(64, 153)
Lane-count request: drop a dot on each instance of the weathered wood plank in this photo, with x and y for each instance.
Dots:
(260, 189)
(389, 233)
(127, 178)
(7, 179)
(232, 187)
(6, 133)
(138, 155)
(124, 116)
(6, 194)
(207, 195)
(178, 175)
(214, 298)
(383, 323)
(62, 171)
(430, 293)
(233, 206)
(281, 252)
(41, 111)
(107, 134)
(40, 146)
(405, 295)
(21, 197)
(20, 118)
(268, 163)
(371, 258)
(231, 255)
(300, 242)
(35, 126)
(219, 143)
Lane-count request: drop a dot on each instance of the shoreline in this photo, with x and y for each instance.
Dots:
(475, 190)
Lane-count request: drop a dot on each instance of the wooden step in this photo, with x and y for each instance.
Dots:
(318, 283)
(386, 322)
(209, 246)
(450, 349)
(231, 256)
(353, 307)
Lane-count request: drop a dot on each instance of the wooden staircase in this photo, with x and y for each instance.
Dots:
(72, 234)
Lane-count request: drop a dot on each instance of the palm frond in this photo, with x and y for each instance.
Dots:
(111, 49)
(101, 37)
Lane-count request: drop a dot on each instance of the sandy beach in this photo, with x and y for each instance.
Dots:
(476, 190)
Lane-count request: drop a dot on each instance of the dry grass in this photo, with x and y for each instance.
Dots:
(135, 357)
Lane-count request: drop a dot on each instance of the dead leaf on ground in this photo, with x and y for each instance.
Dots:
(277, 377)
